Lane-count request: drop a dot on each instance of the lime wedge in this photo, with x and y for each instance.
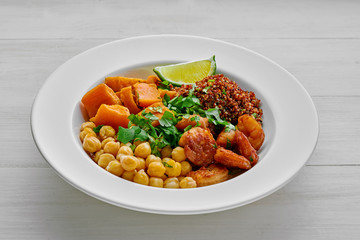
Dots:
(186, 73)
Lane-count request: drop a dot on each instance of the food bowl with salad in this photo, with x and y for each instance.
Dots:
(185, 127)
(180, 134)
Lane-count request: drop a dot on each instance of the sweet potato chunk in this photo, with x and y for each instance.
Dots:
(100, 94)
(113, 115)
(146, 94)
(127, 99)
(171, 94)
(153, 79)
(117, 83)
(158, 109)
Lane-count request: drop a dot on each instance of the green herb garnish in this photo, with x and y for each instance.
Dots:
(157, 109)
(188, 128)
(228, 144)
(205, 90)
(97, 129)
(132, 146)
(167, 165)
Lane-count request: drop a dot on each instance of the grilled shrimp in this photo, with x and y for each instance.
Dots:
(230, 159)
(199, 146)
(210, 175)
(244, 148)
(252, 130)
(183, 123)
(225, 138)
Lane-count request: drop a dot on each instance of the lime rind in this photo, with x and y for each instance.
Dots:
(188, 72)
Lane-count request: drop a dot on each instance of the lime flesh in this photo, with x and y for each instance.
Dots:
(186, 73)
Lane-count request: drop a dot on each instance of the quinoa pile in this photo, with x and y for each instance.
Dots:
(219, 91)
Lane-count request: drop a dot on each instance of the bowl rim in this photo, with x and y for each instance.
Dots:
(207, 202)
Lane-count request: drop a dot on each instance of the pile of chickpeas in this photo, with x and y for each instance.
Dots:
(139, 166)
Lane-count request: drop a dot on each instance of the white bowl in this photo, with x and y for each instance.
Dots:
(290, 122)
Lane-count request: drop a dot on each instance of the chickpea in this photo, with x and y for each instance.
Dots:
(150, 159)
(129, 175)
(173, 169)
(141, 177)
(187, 182)
(143, 150)
(105, 141)
(85, 132)
(105, 159)
(178, 154)
(129, 163)
(171, 183)
(166, 159)
(156, 169)
(125, 150)
(180, 178)
(137, 143)
(185, 168)
(156, 182)
(87, 125)
(106, 131)
(91, 144)
(115, 168)
(166, 151)
(164, 177)
(141, 164)
(119, 156)
(112, 147)
(97, 155)
(125, 144)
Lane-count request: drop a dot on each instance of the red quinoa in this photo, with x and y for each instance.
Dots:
(219, 91)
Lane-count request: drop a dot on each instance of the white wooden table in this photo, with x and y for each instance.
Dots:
(317, 41)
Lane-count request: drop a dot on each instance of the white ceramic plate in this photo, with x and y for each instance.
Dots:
(290, 122)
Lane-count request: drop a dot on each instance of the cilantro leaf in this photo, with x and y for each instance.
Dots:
(126, 135)
(229, 127)
(166, 99)
(141, 135)
(97, 129)
(167, 119)
(157, 109)
(187, 128)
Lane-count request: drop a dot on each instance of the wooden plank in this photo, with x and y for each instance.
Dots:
(321, 203)
(339, 131)
(117, 19)
(325, 67)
